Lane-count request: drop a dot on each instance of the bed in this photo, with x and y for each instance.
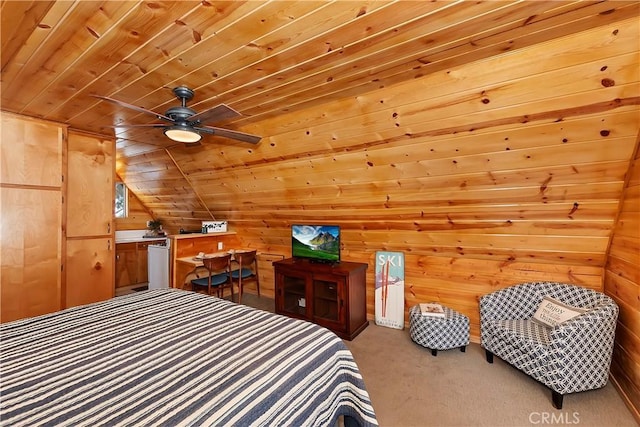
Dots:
(172, 358)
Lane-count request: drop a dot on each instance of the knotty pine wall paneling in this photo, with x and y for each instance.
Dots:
(506, 170)
(500, 171)
(622, 283)
(156, 174)
(266, 274)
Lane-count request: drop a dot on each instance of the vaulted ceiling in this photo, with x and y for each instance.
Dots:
(265, 59)
(262, 58)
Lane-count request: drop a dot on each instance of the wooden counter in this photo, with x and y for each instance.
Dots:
(190, 245)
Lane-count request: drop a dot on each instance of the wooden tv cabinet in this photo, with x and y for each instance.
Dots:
(330, 295)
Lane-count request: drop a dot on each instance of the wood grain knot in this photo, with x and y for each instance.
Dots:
(608, 82)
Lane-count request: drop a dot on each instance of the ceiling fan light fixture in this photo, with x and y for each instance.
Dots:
(185, 124)
(183, 134)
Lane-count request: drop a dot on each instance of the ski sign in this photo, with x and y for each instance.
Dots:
(389, 294)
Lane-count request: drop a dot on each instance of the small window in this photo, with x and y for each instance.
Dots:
(121, 205)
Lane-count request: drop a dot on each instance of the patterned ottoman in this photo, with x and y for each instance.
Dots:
(439, 333)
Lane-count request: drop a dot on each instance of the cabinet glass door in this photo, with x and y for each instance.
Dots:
(294, 299)
(326, 300)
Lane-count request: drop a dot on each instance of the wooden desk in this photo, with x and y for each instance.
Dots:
(189, 265)
(189, 245)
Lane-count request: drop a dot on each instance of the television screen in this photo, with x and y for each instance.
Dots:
(316, 242)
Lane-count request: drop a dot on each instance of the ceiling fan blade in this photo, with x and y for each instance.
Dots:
(148, 125)
(227, 133)
(134, 107)
(215, 114)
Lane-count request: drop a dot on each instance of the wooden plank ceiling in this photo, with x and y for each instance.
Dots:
(266, 59)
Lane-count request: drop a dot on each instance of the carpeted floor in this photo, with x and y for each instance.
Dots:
(409, 387)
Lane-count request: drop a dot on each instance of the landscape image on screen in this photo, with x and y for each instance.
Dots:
(319, 242)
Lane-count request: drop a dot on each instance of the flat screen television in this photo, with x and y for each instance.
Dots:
(317, 243)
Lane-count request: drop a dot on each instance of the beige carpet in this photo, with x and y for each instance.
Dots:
(410, 387)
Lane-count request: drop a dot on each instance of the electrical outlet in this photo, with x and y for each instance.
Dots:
(220, 246)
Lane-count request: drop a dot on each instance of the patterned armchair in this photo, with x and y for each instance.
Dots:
(570, 357)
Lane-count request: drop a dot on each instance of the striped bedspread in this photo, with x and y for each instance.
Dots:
(176, 358)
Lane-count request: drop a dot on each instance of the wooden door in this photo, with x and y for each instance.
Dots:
(142, 256)
(31, 152)
(90, 186)
(89, 271)
(126, 264)
(89, 268)
(31, 252)
(31, 242)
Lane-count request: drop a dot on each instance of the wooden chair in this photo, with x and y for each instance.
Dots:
(218, 275)
(247, 271)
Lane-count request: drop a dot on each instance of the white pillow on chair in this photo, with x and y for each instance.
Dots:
(552, 312)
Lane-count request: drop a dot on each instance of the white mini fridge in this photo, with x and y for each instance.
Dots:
(158, 266)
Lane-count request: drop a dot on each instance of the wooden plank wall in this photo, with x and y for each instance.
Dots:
(506, 170)
(622, 282)
(266, 274)
(155, 176)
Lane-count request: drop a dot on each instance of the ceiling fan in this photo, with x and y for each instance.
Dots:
(186, 125)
